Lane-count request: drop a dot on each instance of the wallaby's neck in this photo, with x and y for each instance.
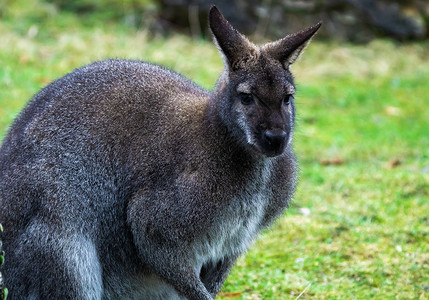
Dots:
(219, 92)
(216, 111)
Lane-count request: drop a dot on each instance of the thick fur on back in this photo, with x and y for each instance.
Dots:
(125, 179)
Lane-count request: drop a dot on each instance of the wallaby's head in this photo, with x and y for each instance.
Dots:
(255, 94)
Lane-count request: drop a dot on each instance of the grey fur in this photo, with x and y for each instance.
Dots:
(126, 180)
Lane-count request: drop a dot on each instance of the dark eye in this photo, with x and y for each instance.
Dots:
(287, 100)
(246, 98)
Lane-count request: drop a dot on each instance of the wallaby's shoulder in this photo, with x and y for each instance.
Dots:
(114, 80)
(133, 72)
(106, 89)
(133, 88)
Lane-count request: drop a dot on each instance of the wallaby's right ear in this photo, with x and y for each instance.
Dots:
(288, 49)
(237, 50)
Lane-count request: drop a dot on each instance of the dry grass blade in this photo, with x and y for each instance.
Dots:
(302, 293)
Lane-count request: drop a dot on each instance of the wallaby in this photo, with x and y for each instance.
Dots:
(125, 180)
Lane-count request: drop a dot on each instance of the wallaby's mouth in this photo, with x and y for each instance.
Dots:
(270, 149)
(272, 152)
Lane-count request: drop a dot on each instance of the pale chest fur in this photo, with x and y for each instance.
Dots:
(239, 223)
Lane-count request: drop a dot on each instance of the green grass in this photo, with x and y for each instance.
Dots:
(362, 139)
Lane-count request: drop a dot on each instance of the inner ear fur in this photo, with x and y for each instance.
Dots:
(288, 49)
(237, 50)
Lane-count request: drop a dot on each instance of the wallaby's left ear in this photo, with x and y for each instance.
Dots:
(238, 51)
(288, 49)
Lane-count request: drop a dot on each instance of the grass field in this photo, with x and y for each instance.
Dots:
(359, 225)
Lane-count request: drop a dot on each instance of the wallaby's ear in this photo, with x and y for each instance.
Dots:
(288, 49)
(238, 51)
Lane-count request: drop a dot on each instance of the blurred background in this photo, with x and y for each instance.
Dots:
(358, 227)
(346, 20)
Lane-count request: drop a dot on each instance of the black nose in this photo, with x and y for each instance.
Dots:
(275, 137)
